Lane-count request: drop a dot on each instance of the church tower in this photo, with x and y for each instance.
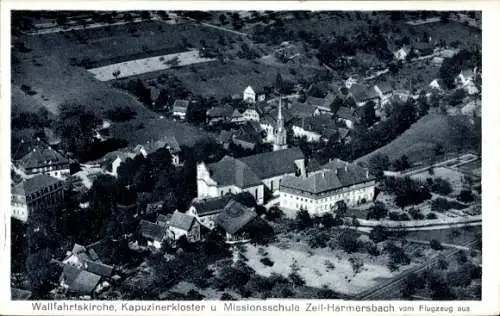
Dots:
(280, 132)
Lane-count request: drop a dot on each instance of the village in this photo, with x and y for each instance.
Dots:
(246, 155)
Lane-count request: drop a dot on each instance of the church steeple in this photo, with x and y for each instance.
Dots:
(280, 132)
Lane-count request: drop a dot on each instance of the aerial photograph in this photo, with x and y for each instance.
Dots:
(246, 155)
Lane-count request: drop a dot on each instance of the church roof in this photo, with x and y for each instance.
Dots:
(231, 171)
(270, 164)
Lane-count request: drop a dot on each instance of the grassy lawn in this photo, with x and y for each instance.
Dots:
(424, 135)
(452, 176)
(458, 236)
(472, 168)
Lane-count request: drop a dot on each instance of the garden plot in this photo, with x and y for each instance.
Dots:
(453, 176)
(147, 65)
(318, 268)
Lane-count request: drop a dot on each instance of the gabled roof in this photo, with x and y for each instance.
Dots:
(302, 110)
(345, 113)
(215, 205)
(249, 89)
(327, 101)
(362, 93)
(385, 86)
(323, 124)
(220, 111)
(79, 281)
(41, 156)
(274, 163)
(234, 217)
(237, 114)
(150, 230)
(231, 171)
(163, 220)
(34, 184)
(332, 176)
(182, 221)
(181, 106)
(98, 268)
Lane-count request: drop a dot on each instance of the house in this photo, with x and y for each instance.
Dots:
(237, 117)
(180, 109)
(233, 219)
(325, 107)
(181, 224)
(401, 53)
(423, 48)
(349, 82)
(154, 234)
(248, 136)
(251, 114)
(35, 194)
(466, 79)
(44, 160)
(315, 128)
(436, 84)
(302, 110)
(347, 116)
(225, 138)
(320, 190)
(206, 209)
(79, 281)
(219, 114)
(117, 161)
(249, 174)
(249, 95)
(384, 90)
(167, 142)
(86, 258)
(362, 95)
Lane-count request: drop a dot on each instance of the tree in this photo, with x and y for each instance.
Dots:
(412, 283)
(377, 211)
(116, 73)
(435, 244)
(274, 213)
(441, 186)
(327, 220)
(401, 164)
(341, 209)
(61, 20)
(223, 19)
(378, 164)
(303, 219)
(465, 196)
(348, 241)
(379, 233)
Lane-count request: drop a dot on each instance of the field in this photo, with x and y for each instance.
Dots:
(232, 77)
(451, 175)
(315, 271)
(424, 135)
(145, 65)
(472, 168)
(457, 236)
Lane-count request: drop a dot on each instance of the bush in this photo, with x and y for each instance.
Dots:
(436, 245)
(431, 216)
(317, 238)
(121, 114)
(394, 216)
(416, 214)
(461, 257)
(348, 241)
(377, 211)
(404, 217)
(397, 255)
(379, 234)
(303, 219)
(407, 191)
(274, 213)
(465, 196)
(267, 262)
(458, 278)
(442, 264)
(327, 220)
(441, 205)
(441, 186)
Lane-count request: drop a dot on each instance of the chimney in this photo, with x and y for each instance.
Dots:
(367, 173)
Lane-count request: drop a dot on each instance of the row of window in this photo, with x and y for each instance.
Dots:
(54, 167)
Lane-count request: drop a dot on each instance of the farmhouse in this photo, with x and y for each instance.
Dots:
(219, 114)
(251, 96)
(315, 128)
(168, 142)
(401, 53)
(35, 195)
(321, 189)
(206, 209)
(154, 234)
(362, 95)
(384, 90)
(347, 116)
(79, 281)
(250, 174)
(181, 224)
(44, 160)
(180, 109)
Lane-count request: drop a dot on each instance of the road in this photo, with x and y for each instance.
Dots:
(215, 27)
(391, 288)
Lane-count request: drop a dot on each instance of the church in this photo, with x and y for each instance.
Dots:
(252, 174)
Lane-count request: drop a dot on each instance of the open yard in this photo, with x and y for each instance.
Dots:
(471, 168)
(457, 236)
(451, 175)
(317, 269)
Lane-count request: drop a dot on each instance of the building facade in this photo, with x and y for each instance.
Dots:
(35, 195)
(319, 191)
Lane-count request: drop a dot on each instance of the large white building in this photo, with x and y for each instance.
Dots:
(319, 191)
(249, 174)
(45, 160)
(35, 194)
